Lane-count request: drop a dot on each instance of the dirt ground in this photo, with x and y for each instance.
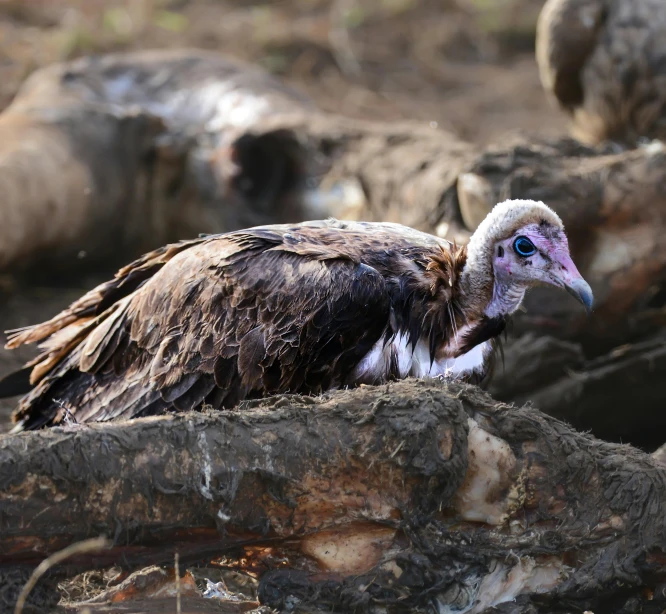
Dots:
(467, 65)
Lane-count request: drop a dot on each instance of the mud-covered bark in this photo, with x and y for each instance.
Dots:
(287, 466)
(409, 495)
(404, 171)
(113, 151)
(74, 184)
(353, 169)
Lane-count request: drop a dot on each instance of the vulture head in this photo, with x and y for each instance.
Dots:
(520, 244)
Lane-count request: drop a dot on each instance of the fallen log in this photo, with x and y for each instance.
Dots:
(413, 495)
(74, 184)
(111, 156)
(96, 154)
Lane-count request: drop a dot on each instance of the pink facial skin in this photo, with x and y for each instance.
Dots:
(550, 264)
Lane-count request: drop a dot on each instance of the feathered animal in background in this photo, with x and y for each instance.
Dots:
(297, 308)
(603, 62)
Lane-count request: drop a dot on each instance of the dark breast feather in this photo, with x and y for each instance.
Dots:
(490, 329)
(487, 329)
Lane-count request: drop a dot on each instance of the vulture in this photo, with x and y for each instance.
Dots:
(602, 61)
(288, 308)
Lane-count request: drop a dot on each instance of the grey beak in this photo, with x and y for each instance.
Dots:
(581, 291)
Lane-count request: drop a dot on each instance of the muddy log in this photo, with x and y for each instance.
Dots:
(409, 495)
(399, 172)
(74, 182)
(96, 154)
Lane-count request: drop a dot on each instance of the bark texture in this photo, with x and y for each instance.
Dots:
(75, 183)
(409, 496)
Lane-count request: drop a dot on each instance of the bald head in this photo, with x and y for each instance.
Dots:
(507, 217)
(521, 244)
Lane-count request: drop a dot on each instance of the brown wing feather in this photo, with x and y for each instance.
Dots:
(95, 302)
(213, 322)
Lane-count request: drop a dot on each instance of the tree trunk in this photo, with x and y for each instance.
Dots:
(408, 495)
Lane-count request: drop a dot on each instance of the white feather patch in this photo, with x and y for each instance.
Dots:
(375, 365)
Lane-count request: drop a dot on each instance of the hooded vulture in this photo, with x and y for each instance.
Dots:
(299, 308)
(603, 62)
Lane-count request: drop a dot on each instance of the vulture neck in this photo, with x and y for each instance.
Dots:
(482, 293)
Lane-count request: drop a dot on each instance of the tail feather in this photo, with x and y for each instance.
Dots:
(16, 383)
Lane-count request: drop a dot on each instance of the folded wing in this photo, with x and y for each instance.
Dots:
(206, 322)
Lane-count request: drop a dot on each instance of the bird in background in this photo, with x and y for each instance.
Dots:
(293, 308)
(602, 61)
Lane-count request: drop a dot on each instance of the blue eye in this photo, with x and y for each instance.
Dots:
(524, 247)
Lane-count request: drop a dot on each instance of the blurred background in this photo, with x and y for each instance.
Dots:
(467, 65)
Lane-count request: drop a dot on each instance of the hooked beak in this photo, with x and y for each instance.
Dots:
(581, 291)
(574, 284)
